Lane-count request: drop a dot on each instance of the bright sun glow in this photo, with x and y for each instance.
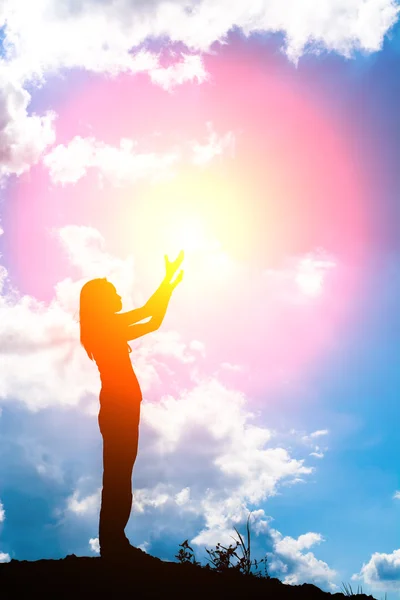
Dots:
(190, 235)
(202, 215)
(203, 252)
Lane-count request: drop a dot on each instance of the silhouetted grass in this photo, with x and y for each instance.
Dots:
(221, 559)
(349, 592)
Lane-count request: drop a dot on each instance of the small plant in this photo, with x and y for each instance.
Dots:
(221, 557)
(186, 554)
(247, 563)
(348, 591)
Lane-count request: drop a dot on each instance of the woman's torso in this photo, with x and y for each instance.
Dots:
(119, 384)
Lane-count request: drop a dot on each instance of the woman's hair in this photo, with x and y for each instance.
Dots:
(94, 306)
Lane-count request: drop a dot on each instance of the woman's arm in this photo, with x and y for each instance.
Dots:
(160, 301)
(144, 312)
(157, 299)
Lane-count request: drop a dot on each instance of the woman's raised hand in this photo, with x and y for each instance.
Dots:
(171, 267)
(177, 279)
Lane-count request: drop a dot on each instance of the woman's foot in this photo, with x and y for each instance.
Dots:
(121, 552)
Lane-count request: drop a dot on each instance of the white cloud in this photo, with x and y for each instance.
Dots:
(230, 367)
(183, 496)
(125, 164)
(69, 163)
(397, 495)
(317, 454)
(216, 145)
(298, 567)
(145, 497)
(108, 38)
(23, 137)
(258, 468)
(311, 273)
(145, 546)
(303, 277)
(85, 248)
(41, 361)
(85, 505)
(169, 343)
(382, 571)
(234, 466)
(190, 68)
(39, 35)
(39, 41)
(94, 545)
(202, 405)
(286, 559)
(198, 346)
(4, 557)
(319, 432)
(309, 440)
(164, 361)
(2, 513)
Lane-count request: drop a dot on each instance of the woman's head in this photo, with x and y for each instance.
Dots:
(100, 296)
(98, 300)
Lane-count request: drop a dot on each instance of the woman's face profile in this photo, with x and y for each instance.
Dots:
(114, 300)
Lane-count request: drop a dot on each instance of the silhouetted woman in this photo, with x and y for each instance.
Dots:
(104, 334)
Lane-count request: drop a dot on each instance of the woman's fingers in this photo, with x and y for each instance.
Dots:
(179, 259)
(177, 279)
(172, 267)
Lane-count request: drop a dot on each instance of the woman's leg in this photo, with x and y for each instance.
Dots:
(120, 444)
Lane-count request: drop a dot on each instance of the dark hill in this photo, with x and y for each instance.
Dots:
(141, 578)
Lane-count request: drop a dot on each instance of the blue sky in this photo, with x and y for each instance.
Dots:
(329, 509)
